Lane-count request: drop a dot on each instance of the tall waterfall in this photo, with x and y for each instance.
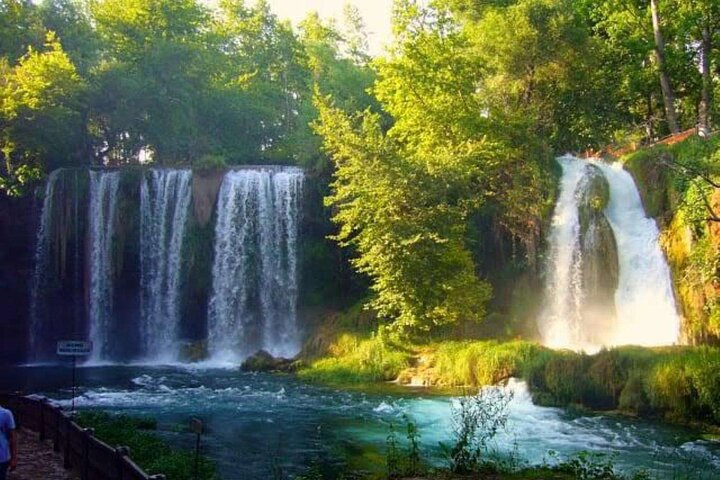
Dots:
(102, 214)
(644, 311)
(41, 264)
(255, 284)
(164, 206)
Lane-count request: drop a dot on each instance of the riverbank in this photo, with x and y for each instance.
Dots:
(673, 384)
(263, 426)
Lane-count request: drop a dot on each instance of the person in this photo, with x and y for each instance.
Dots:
(8, 443)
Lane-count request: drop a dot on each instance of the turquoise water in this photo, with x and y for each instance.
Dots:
(257, 423)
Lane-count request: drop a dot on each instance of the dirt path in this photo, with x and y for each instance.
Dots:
(37, 461)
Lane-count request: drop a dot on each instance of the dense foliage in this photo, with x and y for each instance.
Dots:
(114, 82)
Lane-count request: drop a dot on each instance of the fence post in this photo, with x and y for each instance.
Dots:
(67, 462)
(89, 432)
(56, 443)
(122, 453)
(41, 404)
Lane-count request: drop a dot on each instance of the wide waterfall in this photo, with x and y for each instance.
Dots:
(164, 206)
(161, 265)
(102, 214)
(641, 311)
(255, 284)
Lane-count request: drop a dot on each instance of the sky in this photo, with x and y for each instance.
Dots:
(375, 13)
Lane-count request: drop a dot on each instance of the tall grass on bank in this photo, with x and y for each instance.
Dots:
(681, 384)
(678, 383)
(478, 363)
(354, 359)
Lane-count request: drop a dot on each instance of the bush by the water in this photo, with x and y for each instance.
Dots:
(679, 383)
(147, 448)
(476, 363)
(354, 358)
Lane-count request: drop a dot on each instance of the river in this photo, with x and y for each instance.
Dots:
(258, 422)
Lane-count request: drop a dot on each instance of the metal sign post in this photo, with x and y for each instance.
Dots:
(74, 349)
(196, 425)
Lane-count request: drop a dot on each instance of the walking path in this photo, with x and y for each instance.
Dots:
(38, 461)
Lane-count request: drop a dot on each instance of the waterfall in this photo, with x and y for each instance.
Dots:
(644, 299)
(644, 310)
(560, 322)
(255, 285)
(164, 206)
(101, 219)
(42, 265)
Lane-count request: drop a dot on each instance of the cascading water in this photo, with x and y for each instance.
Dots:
(255, 285)
(559, 323)
(101, 217)
(42, 263)
(164, 206)
(644, 298)
(644, 310)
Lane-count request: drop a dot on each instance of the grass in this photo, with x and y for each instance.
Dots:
(679, 384)
(355, 359)
(474, 363)
(147, 448)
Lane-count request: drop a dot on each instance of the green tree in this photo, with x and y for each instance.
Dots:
(20, 27)
(40, 114)
(405, 225)
(70, 20)
(699, 24)
(403, 197)
(160, 48)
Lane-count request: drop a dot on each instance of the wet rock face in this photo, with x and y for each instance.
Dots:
(205, 187)
(600, 265)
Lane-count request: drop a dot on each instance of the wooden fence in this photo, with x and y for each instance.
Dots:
(90, 457)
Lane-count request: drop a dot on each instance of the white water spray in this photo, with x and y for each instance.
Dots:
(255, 285)
(644, 302)
(164, 205)
(42, 264)
(102, 216)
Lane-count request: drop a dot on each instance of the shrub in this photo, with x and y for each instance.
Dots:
(481, 363)
(476, 420)
(210, 162)
(355, 359)
(633, 398)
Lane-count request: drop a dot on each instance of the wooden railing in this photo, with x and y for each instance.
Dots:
(90, 457)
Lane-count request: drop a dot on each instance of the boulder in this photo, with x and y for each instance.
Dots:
(262, 361)
(598, 249)
(194, 351)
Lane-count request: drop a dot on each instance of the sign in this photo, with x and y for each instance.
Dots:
(74, 348)
(196, 425)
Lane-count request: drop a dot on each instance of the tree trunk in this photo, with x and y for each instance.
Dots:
(668, 97)
(706, 97)
(649, 124)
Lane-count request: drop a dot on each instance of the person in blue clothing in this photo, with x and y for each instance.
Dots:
(8, 443)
